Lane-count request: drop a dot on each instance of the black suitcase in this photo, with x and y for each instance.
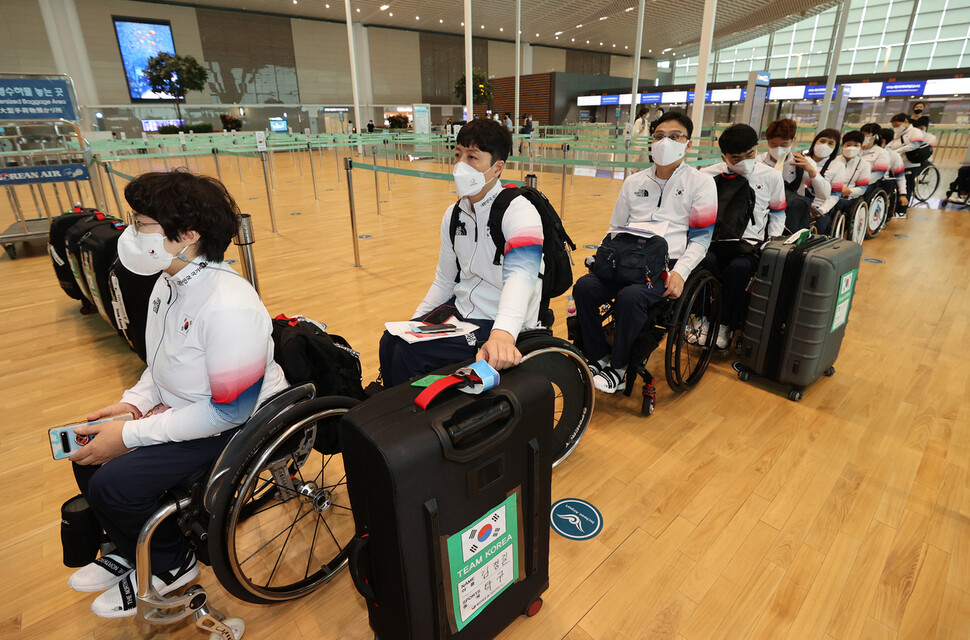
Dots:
(99, 249)
(451, 507)
(56, 249)
(130, 294)
(800, 301)
(72, 247)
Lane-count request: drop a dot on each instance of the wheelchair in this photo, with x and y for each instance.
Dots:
(271, 516)
(687, 352)
(926, 182)
(868, 215)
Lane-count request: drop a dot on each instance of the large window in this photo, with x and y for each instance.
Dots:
(877, 36)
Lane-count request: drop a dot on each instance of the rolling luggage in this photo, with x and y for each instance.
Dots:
(72, 251)
(451, 506)
(130, 294)
(800, 301)
(58, 253)
(98, 249)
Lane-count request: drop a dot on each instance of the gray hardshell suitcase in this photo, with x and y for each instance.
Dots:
(800, 302)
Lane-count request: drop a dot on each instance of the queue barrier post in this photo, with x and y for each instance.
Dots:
(114, 189)
(349, 167)
(562, 195)
(313, 171)
(269, 190)
(377, 181)
(215, 156)
(245, 238)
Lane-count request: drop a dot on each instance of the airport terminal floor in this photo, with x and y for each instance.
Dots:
(730, 513)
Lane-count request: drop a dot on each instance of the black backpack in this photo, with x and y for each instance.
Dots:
(557, 276)
(735, 207)
(307, 353)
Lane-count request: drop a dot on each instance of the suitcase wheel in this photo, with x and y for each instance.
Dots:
(795, 395)
(11, 250)
(744, 375)
(534, 608)
(85, 310)
(830, 371)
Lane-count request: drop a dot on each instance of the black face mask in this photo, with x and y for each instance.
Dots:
(917, 111)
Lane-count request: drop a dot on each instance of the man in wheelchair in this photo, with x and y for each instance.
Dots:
(210, 364)
(664, 214)
(907, 138)
(751, 208)
(500, 296)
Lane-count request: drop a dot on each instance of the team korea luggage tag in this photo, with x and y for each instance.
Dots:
(473, 379)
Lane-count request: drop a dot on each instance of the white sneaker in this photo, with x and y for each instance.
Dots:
(697, 330)
(103, 573)
(609, 380)
(121, 601)
(721, 342)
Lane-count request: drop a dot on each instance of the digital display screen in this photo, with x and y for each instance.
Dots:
(139, 40)
(277, 125)
(152, 126)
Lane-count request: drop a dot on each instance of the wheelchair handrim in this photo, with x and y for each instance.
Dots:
(576, 432)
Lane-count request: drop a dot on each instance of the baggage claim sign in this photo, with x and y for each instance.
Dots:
(483, 560)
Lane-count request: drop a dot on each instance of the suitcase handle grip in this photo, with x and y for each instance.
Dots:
(475, 419)
(361, 583)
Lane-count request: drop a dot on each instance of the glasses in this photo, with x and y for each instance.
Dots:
(133, 221)
(735, 158)
(676, 136)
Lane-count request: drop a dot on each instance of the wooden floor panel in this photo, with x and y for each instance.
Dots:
(731, 513)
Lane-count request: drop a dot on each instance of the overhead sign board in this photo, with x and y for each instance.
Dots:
(36, 99)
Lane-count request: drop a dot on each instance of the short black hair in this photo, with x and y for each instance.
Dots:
(486, 135)
(678, 116)
(873, 129)
(886, 135)
(832, 134)
(182, 201)
(738, 138)
(853, 136)
(900, 117)
(922, 121)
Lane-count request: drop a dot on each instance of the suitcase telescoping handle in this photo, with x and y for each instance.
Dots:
(361, 583)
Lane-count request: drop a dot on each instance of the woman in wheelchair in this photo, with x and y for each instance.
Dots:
(210, 364)
(856, 170)
(670, 201)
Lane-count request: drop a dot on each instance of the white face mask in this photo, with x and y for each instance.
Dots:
(742, 168)
(667, 151)
(823, 150)
(468, 181)
(850, 152)
(144, 253)
(780, 152)
(899, 130)
(867, 142)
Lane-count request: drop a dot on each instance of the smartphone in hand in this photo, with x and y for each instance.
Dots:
(64, 442)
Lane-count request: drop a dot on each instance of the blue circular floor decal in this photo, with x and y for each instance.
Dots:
(364, 236)
(591, 246)
(576, 519)
(297, 213)
(900, 235)
(874, 260)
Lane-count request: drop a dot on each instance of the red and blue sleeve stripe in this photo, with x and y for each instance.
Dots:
(235, 393)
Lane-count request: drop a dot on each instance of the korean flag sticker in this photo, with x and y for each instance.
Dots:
(185, 324)
(490, 528)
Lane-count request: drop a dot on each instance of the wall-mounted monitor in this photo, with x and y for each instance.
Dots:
(138, 40)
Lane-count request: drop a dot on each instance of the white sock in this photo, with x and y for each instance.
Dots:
(603, 362)
(621, 371)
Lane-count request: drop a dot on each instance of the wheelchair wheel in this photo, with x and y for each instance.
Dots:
(565, 367)
(281, 528)
(685, 362)
(926, 183)
(837, 226)
(858, 221)
(878, 206)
